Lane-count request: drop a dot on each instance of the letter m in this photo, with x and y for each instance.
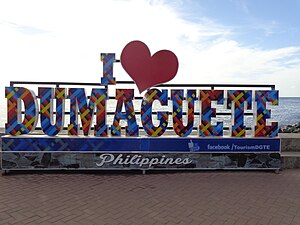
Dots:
(78, 103)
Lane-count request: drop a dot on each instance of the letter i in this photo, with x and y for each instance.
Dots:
(108, 60)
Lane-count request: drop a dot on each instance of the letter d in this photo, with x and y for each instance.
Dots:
(14, 125)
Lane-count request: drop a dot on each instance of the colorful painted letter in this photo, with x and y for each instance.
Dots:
(261, 128)
(47, 96)
(108, 62)
(239, 98)
(79, 102)
(177, 99)
(207, 112)
(14, 125)
(125, 96)
(146, 112)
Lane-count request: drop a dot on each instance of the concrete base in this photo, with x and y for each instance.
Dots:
(290, 160)
(290, 150)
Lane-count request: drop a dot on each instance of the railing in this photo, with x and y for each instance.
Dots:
(212, 86)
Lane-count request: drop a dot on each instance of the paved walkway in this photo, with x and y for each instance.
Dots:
(157, 198)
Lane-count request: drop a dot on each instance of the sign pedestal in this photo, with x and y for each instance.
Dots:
(143, 153)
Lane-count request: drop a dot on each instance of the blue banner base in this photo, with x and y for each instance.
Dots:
(47, 153)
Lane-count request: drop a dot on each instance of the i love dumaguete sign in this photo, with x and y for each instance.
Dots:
(106, 148)
(147, 71)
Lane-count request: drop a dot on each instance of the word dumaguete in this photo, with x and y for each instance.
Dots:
(80, 104)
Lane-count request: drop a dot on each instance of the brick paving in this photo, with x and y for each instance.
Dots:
(157, 198)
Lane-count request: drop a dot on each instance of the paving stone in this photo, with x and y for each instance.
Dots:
(225, 197)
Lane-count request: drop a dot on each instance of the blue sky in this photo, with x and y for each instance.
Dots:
(216, 41)
(263, 23)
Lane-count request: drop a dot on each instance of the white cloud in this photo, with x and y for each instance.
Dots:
(62, 41)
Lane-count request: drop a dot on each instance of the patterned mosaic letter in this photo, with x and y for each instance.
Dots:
(239, 97)
(177, 98)
(14, 95)
(261, 128)
(146, 112)
(207, 112)
(108, 62)
(46, 96)
(79, 102)
(99, 97)
(125, 96)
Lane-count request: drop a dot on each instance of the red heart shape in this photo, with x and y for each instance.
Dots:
(147, 71)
